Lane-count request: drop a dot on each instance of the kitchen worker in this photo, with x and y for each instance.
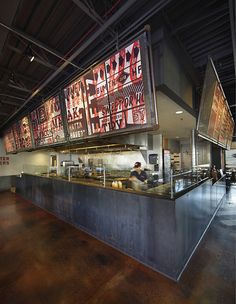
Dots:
(138, 177)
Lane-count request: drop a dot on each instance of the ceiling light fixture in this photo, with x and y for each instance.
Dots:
(179, 112)
(29, 53)
(12, 78)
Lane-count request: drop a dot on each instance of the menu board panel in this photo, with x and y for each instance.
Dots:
(74, 100)
(217, 112)
(96, 103)
(9, 141)
(215, 120)
(230, 132)
(47, 123)
(126, 87)
(114, 96)
(22, 134)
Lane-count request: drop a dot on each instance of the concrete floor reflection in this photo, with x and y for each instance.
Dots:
(44, 260)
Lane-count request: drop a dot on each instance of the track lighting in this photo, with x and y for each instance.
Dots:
(29, 53)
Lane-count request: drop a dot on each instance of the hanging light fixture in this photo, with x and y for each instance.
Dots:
(12, 78)
(29, 53)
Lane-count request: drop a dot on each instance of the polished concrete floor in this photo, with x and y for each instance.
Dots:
(44, 260)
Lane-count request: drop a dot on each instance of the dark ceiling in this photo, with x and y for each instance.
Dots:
(66, 36)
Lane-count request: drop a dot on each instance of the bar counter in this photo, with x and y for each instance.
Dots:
(159, 232)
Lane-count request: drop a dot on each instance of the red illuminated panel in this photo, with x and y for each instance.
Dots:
(97, 104)
(125, 87)
(111, 96)
(22, 134)
(74, 100)
(9, 141)
(230, 131)
(47, 123)
(215, 117)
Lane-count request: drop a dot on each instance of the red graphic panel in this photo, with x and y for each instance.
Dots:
(97, 104)
(111, 96)
(22, 134)
(47, 123)
(9, 141)
(74, 99)
(125, 87)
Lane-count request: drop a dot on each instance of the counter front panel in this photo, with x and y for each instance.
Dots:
(151, 230)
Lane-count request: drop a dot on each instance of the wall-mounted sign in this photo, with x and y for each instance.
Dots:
(47, 124)
(9, 141)
(22, 134)
(114, 96)
(215, 120)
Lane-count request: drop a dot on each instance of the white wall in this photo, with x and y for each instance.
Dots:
(20, 161)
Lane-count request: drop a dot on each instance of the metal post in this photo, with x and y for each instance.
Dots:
(193, 144)
(69, 173)
(104, 177)
(171, 184)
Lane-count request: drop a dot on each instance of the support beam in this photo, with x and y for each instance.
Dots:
(4, 114)
(19, 88)
(18, 75)
(13, 97)
(15, 87)
(92, 14)
(38, 43)
(11, 103)
(197, 20)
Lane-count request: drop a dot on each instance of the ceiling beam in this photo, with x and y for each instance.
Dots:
(18, 75)
(222, 32)
(197, 20)
(11, 96)
(38, 43)
(15, 87)
(214, 52)
(207, 28)
(93, 15)
(8, 11)
(215, 56)
(4, 113)
(12, 103)
(211, 45)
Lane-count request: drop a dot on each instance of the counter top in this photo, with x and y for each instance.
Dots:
(162, 190)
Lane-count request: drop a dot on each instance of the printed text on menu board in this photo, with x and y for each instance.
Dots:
(109, 97)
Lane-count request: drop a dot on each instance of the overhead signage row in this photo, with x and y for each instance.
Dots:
(113, 97)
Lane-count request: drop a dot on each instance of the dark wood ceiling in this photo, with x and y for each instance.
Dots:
(55, 29)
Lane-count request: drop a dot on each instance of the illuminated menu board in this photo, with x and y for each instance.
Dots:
(230, 131)
(22, 134)
(47, 124)
(215, 120)
(9, 141)
(74, 100)
(114, 96)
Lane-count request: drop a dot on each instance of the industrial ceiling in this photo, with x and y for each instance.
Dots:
(67, 36)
